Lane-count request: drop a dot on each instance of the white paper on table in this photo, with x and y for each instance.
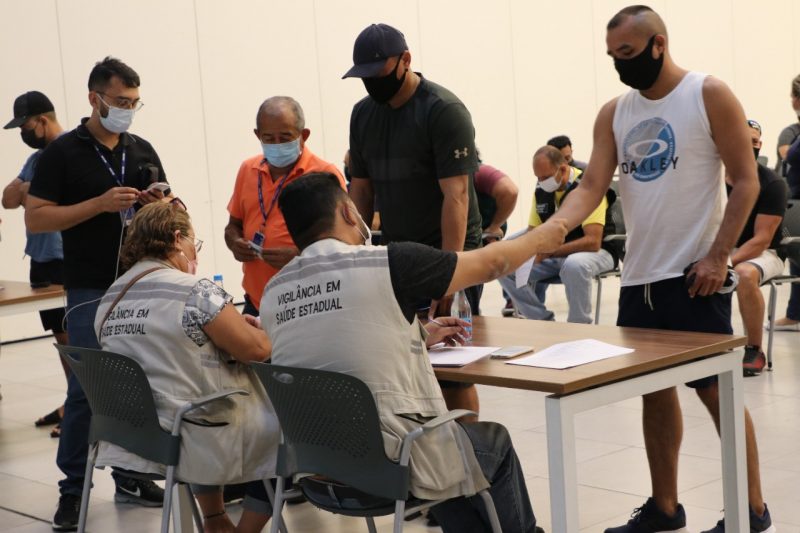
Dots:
(569, 354)
(442, 355)
(524, 272)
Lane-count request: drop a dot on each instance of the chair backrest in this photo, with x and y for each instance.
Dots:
(616, 216)
(330, 427)
(123, 410)
(791, 228)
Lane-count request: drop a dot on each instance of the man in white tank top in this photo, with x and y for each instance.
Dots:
(670, 136)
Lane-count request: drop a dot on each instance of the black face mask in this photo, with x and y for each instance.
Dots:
(641, 71)
(756, 151)
(382, 88)
(29, 137)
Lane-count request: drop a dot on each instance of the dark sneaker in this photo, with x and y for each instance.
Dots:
(66, 517)
(754, 361)
(139, 492)
(509, 309)
(758, 524)
(649, 519)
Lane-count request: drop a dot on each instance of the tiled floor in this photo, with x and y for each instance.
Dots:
(612, 469)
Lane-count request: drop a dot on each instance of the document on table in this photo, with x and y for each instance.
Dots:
(569, 354)
(442, 355)
(523, 272)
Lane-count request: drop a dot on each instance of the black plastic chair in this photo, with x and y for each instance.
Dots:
(330, 428)
(790, 247)
(124, 414)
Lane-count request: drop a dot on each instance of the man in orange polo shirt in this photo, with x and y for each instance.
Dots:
(253, 208)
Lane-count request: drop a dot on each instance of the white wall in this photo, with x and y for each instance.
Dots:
(526, 70)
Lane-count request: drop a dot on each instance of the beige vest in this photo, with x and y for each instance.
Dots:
(146, 325)
(333, 308)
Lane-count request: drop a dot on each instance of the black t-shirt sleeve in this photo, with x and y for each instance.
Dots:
(48, 178)
(453, 138)
(772, 200)
(358, 167)
(419, 273)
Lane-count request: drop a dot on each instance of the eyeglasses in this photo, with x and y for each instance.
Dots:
(178, 203)
(755, 125)
(124, 103)
(198, 243)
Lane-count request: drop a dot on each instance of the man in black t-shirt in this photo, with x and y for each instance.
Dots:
(755, 257)
(378, 340)
(87, 185)
(412, 149)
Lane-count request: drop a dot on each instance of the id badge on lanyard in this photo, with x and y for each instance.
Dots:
(125, 215)
(258, 237)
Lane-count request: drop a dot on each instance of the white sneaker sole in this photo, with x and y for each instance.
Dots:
(786, 327)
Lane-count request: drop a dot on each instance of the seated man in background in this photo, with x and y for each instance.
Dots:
(578, 260)
(190, 341)
(361, 321)
(755, 257)
(564, 145)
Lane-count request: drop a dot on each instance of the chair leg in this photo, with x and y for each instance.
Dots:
(87, 486)
(276, 497)
(491, 511)
(371, 524)
(399, 515)
(773, 298)
(597, 300)
(198, 518)
(168, 488)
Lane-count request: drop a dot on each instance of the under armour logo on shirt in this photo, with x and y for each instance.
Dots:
(458, 154)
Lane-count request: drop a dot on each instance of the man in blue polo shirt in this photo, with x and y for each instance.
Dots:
(35, 117)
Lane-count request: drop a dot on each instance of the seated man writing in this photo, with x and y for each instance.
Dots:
(354, 313)
(576, 262)
(755, 257)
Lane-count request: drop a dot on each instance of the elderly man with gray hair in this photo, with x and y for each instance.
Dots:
(256, 232)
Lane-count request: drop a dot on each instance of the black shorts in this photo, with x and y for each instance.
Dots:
(50, 272)
(668, 306)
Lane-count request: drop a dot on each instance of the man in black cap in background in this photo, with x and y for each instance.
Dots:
(412, 148)
(35, 117)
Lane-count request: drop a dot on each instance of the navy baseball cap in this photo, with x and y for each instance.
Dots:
(28, 105)
(374, 45)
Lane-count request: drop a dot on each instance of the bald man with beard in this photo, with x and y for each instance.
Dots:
(670, 136)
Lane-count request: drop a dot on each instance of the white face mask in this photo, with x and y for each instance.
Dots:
(366, 233)
(117, 120)
(550, 184)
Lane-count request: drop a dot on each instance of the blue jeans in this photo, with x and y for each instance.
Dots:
(500, 466)
(575, 271)
(73, 445)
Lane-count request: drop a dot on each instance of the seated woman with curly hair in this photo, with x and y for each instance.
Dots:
(190, 340)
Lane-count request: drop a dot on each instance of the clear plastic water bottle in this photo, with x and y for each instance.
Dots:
(218, 281)
(462, 310)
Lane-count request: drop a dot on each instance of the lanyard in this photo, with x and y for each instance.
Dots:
(126, 215)
(121, 179)
(265, 212)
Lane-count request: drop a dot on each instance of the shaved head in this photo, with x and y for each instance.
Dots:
(643, 20)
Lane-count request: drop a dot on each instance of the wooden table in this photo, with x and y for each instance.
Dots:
(661, 359)
(17, 297)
